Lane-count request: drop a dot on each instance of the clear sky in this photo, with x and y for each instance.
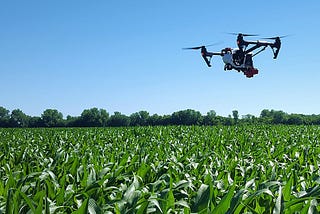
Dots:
(127, 56)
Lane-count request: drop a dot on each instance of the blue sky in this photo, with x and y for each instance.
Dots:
(127, 56)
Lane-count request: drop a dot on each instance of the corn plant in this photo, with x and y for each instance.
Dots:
(170, 169)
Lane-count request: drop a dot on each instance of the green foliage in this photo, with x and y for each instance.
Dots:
(171, 169)
(139, 118)
(118, 120)
(186, 117)
(4, 117)
(18, 119)
(95, 117)
(52, 118)
(235, 115)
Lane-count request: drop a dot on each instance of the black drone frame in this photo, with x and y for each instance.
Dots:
(243, 45)
(208, 55)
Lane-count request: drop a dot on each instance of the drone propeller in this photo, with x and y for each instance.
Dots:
(276, 37)
(202, 46)
(193, 48)
(243, 34)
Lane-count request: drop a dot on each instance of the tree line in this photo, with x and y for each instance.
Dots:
(95, 117)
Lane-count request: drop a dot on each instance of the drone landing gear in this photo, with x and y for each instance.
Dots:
(251, 72)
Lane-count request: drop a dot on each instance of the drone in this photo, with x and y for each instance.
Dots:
(241, 58)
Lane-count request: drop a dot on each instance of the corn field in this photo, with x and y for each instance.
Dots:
(169, 169)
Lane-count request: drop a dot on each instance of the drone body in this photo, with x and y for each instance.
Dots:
(241, 58)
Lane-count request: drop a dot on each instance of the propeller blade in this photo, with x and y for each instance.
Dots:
(199, 47)
(250, 34)
(193, 48)
(280, 37)
(213, 44)
(243, 34)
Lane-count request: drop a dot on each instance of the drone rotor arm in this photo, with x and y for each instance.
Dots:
(264, 47)
(275, 52)
(207, 59)
(207, 56)
(276, 47)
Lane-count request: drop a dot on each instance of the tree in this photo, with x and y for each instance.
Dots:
(4, 117)
(139, 118)
(35, 122)
(94, 117)
(295, 119)
(118, 120)
(104, 117)
(210, 118)
(155, 120)
(278, 117)
(265, 116)
(52, 118)
(227, 121)
(313, 119)
(73, 121)
(248, 118)
(265, 113)
(235, 115)
(166, 120)
(186, 117)
(18, 119)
